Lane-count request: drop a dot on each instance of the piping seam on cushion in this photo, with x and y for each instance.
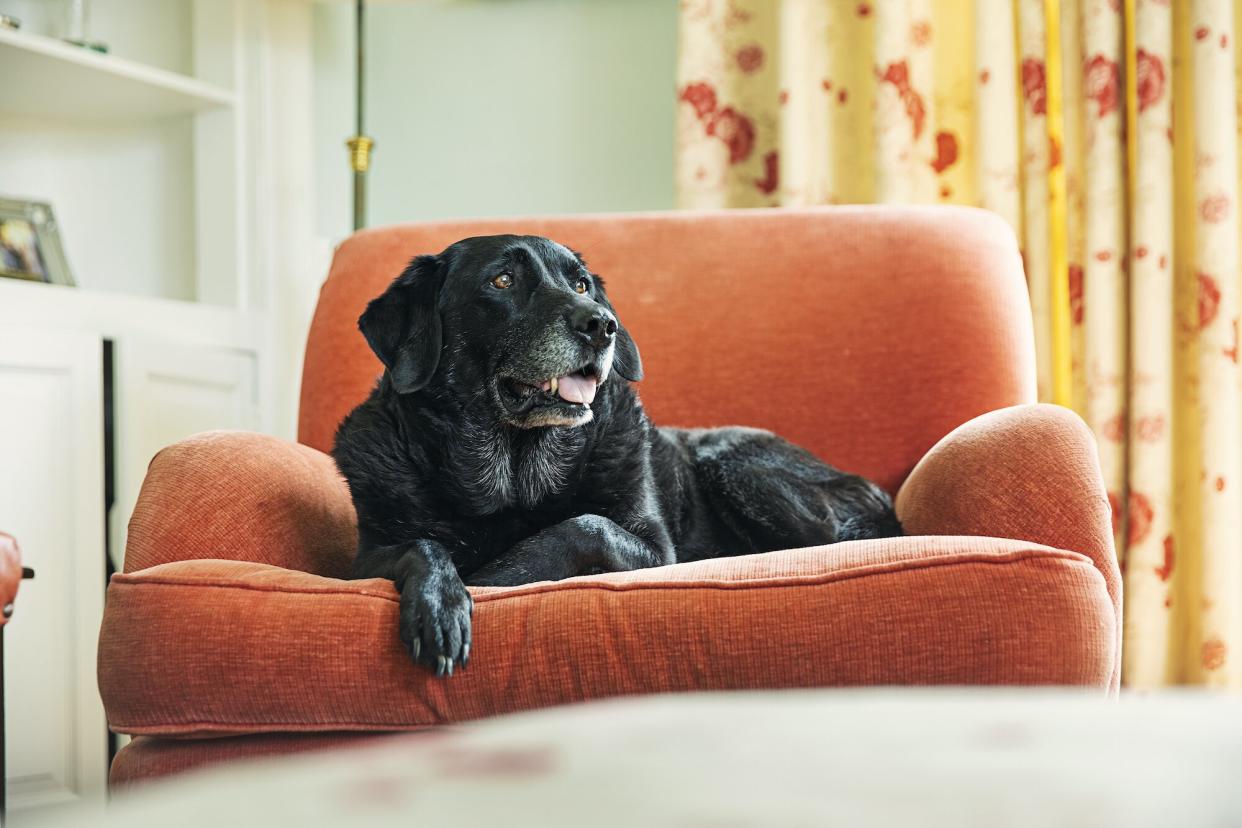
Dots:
(226, 729)
(1039, 555)
(495, 594)
(230, 729)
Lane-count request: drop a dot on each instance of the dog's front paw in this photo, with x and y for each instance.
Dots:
(435, 622)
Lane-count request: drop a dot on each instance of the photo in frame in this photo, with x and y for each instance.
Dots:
(30, 246)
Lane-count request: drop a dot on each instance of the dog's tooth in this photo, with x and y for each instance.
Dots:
(553, 384)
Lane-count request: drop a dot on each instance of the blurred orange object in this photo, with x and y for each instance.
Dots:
(10, 575)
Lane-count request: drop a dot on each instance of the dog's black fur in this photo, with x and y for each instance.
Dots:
(466, 467)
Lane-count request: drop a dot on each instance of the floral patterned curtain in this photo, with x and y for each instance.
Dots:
(1106, 133)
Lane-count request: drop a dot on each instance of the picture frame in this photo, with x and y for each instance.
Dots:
(30, 247)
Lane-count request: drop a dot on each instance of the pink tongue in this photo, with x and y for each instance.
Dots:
(576, 388)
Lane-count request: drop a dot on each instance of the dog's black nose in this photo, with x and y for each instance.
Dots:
(595, 323)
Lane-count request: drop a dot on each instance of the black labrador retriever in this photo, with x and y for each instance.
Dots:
(505, 445)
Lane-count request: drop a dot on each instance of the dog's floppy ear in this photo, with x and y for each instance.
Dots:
(402, 326)
(625, 358)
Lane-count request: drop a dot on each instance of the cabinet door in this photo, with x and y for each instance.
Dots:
(164, 393)
(51, 500)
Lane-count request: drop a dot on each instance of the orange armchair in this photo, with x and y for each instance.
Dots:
(879, 338)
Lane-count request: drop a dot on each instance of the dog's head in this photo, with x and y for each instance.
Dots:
(519, 319)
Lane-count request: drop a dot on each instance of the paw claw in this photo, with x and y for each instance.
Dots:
(435, 624)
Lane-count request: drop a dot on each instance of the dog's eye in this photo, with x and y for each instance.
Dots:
(503, 282)
(581, 286)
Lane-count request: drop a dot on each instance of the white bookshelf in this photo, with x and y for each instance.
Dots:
(179, 169)
(61, 81)
(143, 154)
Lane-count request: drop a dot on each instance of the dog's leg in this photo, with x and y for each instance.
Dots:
(435, 608)
(580, 545)
(772, 494)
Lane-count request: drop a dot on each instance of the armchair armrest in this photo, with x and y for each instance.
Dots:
(1029, 472)
(244, 497)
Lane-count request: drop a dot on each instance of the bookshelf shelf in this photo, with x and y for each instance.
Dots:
(65, 82)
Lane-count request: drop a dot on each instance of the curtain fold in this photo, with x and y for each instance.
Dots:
(1106, 132)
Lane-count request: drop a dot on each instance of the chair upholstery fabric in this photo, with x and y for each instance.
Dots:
(1026, 472)
(864, 334)
(880, 338)
(243, 497)
(306, 653)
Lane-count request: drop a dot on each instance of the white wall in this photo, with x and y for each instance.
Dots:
(499, 107)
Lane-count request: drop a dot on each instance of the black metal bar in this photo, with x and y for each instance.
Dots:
(360, 68)
(109, 438)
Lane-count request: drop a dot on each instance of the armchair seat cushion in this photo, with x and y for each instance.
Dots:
(215, 647)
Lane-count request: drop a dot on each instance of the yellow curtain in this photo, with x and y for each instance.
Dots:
(1106, 133)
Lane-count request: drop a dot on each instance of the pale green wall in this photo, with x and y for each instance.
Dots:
(500, 107)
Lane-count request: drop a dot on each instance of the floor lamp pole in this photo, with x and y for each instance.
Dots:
(360, 145)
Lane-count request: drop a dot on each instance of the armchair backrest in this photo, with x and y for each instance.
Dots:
(864, 334)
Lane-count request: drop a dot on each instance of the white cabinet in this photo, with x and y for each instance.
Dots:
(51, 453)
(52, 498)
(178, 167)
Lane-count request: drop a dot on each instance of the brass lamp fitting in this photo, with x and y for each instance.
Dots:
(360, 147)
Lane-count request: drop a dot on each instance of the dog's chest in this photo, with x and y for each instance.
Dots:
(496, 470)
